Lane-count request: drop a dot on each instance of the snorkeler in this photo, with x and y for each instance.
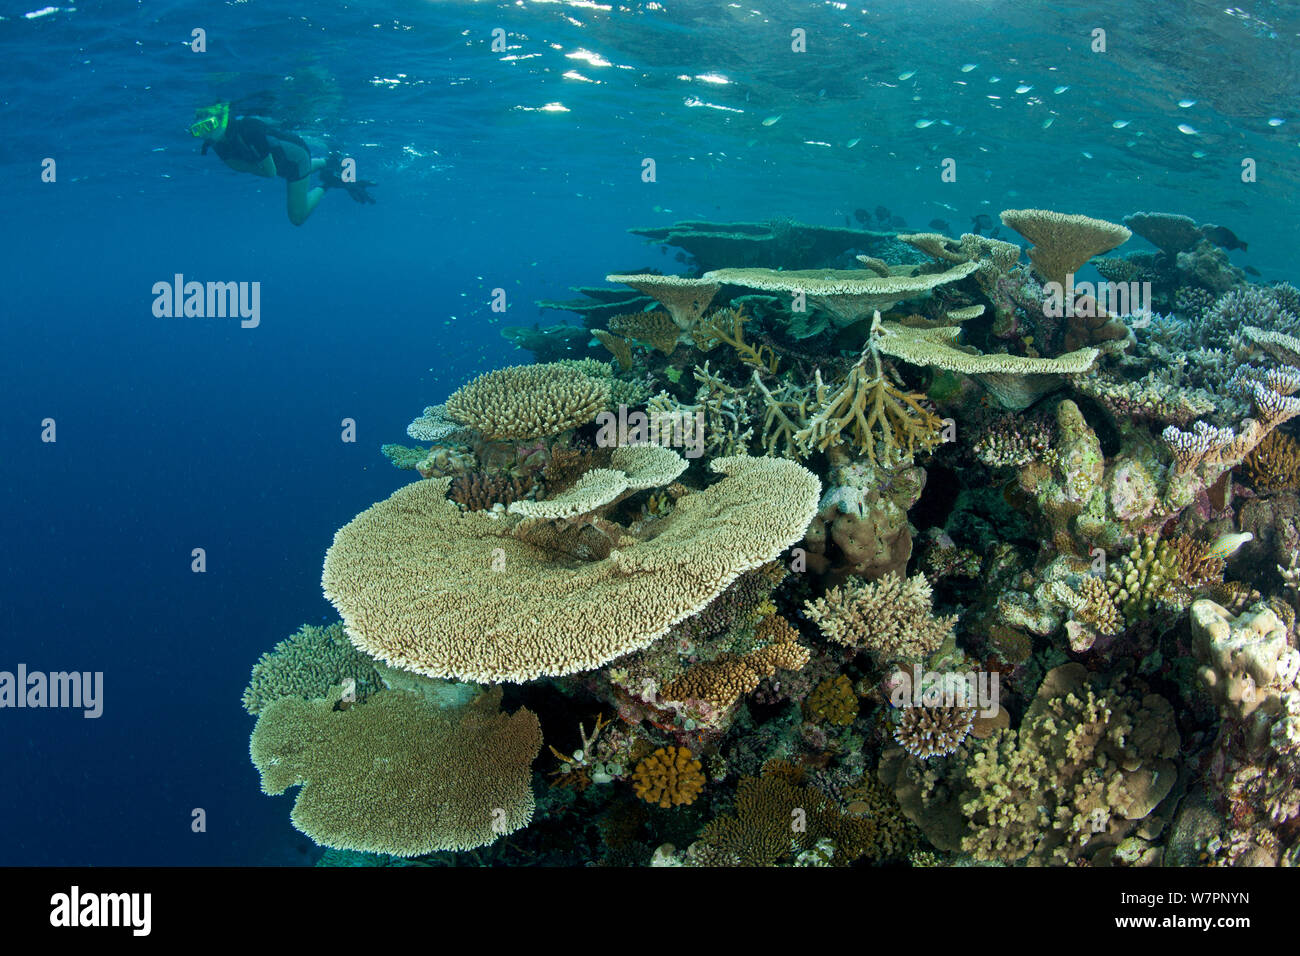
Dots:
(250, 145)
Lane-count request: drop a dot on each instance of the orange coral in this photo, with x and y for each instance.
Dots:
(669, 777)
(727, 678)
(1274, 464)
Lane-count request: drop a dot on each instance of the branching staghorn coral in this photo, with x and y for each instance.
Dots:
(726, 410)
(785, 413)
(869, 413)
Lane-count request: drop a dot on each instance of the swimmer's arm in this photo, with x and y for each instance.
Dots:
(265, 168)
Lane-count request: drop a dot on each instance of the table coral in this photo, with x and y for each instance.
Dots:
(426, 587)
(397, 774)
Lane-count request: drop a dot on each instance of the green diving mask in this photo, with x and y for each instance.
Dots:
(211, 120)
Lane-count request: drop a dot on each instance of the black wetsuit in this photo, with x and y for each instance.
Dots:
(251, 140)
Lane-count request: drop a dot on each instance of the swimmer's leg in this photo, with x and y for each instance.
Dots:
(302, 199)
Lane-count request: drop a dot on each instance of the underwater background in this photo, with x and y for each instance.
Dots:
(518, 170)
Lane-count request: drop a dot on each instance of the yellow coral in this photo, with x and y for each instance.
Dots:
(669, 777)
(833, 700)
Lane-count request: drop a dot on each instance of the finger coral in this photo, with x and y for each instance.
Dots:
(423, 586)
(528, 401)
(397, 774)
(668, 777)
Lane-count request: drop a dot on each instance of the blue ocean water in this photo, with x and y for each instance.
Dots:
(518, 169)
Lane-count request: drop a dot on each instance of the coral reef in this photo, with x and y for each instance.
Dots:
(1086, 764)
(741, 660)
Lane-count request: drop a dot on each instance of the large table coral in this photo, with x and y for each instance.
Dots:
(421, 585)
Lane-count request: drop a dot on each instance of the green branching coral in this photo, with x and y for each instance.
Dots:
(306, 665)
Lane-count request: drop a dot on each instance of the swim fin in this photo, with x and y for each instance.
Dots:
(330, 179)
